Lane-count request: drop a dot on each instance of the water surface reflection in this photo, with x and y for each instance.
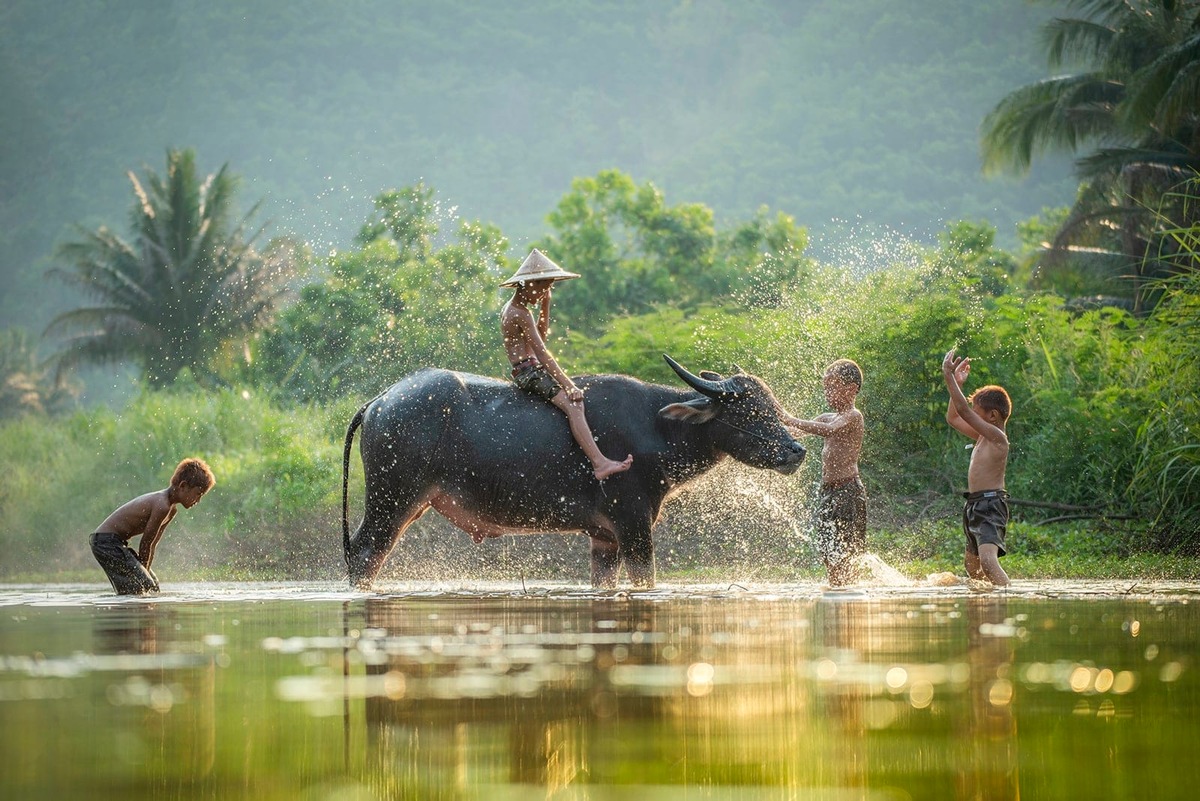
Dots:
(731, 692)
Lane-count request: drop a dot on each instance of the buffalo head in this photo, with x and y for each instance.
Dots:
(744, 416)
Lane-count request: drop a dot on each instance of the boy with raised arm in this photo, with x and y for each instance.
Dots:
(146, 516)
(534, 369)
(982, 417)
(841, 516)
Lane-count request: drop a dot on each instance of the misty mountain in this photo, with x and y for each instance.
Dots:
(862, 115)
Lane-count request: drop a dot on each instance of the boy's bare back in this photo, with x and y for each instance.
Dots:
(145, 513)
(988, 462)
(519, 331)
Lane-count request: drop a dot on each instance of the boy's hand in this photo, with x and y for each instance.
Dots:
(575, 395)
(956, 368)
(962, 371)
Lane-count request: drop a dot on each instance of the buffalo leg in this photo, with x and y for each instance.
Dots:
(606, 563)
(637, 554)
(382, 526)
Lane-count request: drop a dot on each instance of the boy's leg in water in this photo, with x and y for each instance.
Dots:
(989, 562)
(974, 568)
(125, 571)
(841, 531)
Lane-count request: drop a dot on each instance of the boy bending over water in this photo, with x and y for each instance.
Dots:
(533, 368)
(146, 515)
(981, 417)
(841, 517)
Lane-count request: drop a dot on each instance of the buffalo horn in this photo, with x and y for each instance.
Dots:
(713, 389)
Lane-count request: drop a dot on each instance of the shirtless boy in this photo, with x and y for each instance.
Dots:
(534, 369)
(982, 417)
(841, 517)
(146, 515)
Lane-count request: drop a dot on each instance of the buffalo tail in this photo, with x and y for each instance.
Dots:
(354, 425)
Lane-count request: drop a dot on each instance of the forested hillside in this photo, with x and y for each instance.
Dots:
(863, 112)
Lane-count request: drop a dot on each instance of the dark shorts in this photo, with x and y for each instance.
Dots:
(985, 519)
(126, 572)
(534, 379)
(841, 526)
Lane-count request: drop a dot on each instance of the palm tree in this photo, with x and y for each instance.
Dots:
(26, 386)
(188, 282)
(1133, 115)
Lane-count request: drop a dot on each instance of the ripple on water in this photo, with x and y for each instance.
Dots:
(90, 595)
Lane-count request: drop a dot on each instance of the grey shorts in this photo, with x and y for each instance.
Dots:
(125, 571)
(534, 379)
(841, 522)
(985, 519)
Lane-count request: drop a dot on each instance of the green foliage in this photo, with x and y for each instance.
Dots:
(404, 301)
(1130, 113)
(636, 252)
(1167, 477)
(187, 284)
(276, 502)
(708, 338)
(398, 303)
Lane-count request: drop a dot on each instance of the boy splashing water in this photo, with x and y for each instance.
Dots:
(841, 516)
(982, 417)
(146, 515)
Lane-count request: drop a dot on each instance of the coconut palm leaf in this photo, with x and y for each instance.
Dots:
(1059, 113)
(1132, 117)
(1070, 40)
(1167, 91)
(188, 281)
(1170, 164)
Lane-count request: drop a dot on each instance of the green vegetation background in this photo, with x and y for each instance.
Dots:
(1103, 409)
(816, 111)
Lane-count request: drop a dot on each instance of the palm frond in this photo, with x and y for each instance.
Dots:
(1166, 92)
(1109, 162)
(1054, 114)
(1075, 40)
(189, 281)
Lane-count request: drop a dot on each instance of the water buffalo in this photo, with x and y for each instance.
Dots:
(494, 460)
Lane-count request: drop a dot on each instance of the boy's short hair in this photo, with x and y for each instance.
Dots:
(993, 398)
(194, 473)
(846, 370)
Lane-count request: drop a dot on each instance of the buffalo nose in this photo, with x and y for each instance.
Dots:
(798, 449)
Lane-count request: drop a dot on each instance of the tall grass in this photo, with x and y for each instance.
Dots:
(1167, 476)
(277, 498)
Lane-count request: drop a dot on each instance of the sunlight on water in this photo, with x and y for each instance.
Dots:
(497, 689)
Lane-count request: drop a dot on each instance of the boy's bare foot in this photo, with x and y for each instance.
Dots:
(608, 467)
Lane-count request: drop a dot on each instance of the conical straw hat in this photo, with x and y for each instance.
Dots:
(537, 267)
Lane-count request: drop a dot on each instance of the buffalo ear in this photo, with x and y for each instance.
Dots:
(711, 376)
(696, 411)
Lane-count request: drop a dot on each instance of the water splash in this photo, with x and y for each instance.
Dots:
(876, 571)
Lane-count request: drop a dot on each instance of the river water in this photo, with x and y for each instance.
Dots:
(1052, 690)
